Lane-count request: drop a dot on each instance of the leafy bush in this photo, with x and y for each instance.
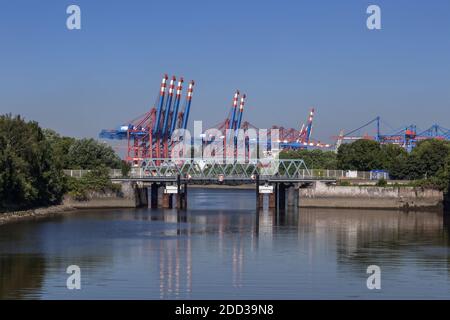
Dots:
(381, 183)
(96, 180)
(367, 155)
(314, 159)
(125, 168)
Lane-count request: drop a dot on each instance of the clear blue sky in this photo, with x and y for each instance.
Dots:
(286, 55)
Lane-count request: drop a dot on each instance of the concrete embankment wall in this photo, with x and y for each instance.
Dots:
(130, 196)
(323, 196)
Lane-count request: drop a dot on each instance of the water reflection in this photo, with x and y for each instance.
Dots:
(364, 237)
(230, 252)
(20, 271)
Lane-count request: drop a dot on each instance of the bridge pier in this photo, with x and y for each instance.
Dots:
(179, 200)
(183, 196)
(275, 191)
(291, 194)
(154, 196)
(273, 198)
(260, 201)
(161, 198)
(281, 197)
(259, 198)
(167, 201)
(140, 196)
(178, 196)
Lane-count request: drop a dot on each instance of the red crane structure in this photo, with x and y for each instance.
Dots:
(299, 139)
(149, 135)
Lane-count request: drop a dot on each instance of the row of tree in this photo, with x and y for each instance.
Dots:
(81, 153)
(430, 158)
(428, 163)
(32, 162)
(314, 159)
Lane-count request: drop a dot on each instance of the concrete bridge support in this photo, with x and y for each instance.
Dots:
(182, 195)
(273, 199)
(161, 197)
(259, 198)
(140, 196)
(260, 201)
(180, 198)
(154, 196)
(167, 201)
(291, 196)
(282, 197)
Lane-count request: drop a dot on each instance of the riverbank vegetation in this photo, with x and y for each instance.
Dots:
(32, 160)
(96, 180)
(427, 165)
(30, 174)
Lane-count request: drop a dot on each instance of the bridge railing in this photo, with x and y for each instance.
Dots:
(329, 173)
(78, 173)
(217, 169)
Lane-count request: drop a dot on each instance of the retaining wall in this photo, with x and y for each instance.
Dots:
(322, 196)
(130, 196)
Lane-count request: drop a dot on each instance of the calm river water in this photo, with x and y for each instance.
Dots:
(222, 249)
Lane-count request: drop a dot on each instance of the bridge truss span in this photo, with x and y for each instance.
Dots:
(215, 169)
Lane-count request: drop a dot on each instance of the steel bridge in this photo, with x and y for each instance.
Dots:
(163, 182)
(222, 171)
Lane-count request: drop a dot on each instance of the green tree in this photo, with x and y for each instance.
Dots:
(317, 159)
(431, 156)
(29, 172)
(391, 154)
(363, 155)
(427, 160)
(60, 147)
(443, 177)
(90, 154)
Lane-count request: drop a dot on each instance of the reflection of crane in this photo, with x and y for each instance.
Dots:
(175, 259)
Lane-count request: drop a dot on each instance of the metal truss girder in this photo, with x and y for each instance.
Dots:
(215, 168)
